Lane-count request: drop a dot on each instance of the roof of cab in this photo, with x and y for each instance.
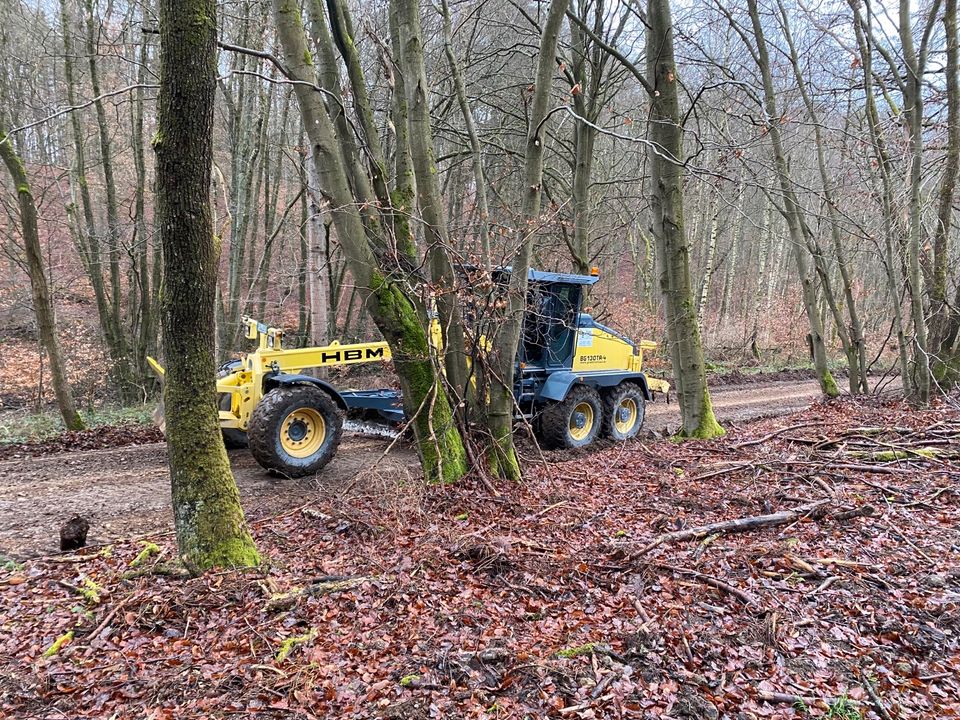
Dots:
(552, 277)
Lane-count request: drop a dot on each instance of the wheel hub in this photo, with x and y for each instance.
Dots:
(303, 432)
(297, 430)
(581, 422)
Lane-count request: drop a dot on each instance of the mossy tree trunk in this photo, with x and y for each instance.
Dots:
(940, 340)
(210, 525)
(666, 210)
(385, 293)
(42, 300)
(429, 198)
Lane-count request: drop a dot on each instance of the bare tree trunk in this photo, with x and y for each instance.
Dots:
(673, 250)
(708, 261)
(125, 380)
(853, 341)
(913, 113)
(476, 155)
(146, 317)
(87, 237)
(317, 263)
(792, 210)
(940, 321)
(502, 457)
(730, 275)
(864, 35)
(210, 525)
(429, 198)
(40, 290)
(761, 295)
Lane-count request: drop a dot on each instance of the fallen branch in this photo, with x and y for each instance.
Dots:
(772, 435)
(92, 636)
(799, 700)
(874, 698)
(322, 586)
(739, 525)
(824, 585)
(862, 511)
(712, 582)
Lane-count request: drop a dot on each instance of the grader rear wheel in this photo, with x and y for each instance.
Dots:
(294, 431)
(624, 408)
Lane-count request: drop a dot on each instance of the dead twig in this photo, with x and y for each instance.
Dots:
(875, 698)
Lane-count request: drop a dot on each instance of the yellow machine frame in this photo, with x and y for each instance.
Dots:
(245, 385)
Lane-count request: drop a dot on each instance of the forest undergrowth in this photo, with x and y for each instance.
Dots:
(608, 584)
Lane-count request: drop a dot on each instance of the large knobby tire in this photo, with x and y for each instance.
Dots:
(624, 408)
(574, 422)
(294, 431)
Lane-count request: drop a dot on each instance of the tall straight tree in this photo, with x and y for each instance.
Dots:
(381, 282)
(502, 458)
(791, 210)
(42, 302)
(666, 211)
(211, 528)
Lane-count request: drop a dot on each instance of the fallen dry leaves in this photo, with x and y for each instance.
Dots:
(537, 603)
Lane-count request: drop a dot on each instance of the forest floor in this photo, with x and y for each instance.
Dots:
(117, 478)
(564, 596)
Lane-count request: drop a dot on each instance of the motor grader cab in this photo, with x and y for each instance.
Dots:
(575, 380)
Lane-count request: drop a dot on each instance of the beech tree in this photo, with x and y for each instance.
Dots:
(40, 289)
(667, 227)
(387, 289)
(210, 525)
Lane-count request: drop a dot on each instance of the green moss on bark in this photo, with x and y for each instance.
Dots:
(442, 454)
(828, 384)
(708, 427)
(502, 458)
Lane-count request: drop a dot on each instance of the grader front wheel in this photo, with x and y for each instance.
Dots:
(294, 431)
(574, 421)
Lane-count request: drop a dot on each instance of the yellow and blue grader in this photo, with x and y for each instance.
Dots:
(575, 380)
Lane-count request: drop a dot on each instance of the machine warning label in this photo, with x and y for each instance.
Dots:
(585, 337)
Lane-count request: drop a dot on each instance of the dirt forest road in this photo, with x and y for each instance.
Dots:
(125, 492)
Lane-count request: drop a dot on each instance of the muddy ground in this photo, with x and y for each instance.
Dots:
(125, 491)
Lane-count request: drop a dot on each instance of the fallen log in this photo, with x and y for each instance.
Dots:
(737, 526)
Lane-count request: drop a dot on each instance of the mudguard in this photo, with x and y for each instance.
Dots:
(558, 384)
(287, 379)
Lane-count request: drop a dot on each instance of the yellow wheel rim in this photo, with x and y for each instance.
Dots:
(625, 415)
(581, 421)
(303, 433)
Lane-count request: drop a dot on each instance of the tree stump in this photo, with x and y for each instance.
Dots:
(73, 533)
